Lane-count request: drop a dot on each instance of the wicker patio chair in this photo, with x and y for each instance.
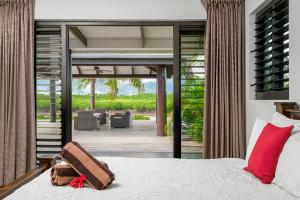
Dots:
(121, 120)
(87, 121)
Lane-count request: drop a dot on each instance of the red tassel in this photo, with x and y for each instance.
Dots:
(78, 182)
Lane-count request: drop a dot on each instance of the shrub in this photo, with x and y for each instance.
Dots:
(140, 117)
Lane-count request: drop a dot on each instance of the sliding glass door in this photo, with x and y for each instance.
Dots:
(54, 84)
(189, 91)
(192, 77)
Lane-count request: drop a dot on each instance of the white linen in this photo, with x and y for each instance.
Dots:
(283, 121)
(287, 174)
(163, 179)
(256, 131)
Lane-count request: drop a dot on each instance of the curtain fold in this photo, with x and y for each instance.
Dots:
(224, 115)
(17, 109)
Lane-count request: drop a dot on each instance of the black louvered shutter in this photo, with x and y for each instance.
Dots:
(272, 51)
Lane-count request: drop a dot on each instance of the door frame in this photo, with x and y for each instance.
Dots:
(66, 110)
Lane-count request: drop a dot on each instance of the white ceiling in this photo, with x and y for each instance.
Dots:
(158, 31)
(99, 32)
(112, 70)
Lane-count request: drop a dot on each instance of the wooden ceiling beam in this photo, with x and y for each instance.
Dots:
(97, 70)
(169, 70)
(79, 70)
(152, 68)
(142, 31)
(79, 35)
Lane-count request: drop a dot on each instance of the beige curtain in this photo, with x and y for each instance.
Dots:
(17, 111)
(224, 118)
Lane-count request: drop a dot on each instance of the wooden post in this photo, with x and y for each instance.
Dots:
(92, 95)
(161, 101)
(52, 101)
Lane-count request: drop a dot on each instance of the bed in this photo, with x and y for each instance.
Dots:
(163, 178)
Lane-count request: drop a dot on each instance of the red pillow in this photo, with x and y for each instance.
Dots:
(264, 157)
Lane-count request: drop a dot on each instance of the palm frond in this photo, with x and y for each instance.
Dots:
(112, 84)
(83, 83)
(138, 84)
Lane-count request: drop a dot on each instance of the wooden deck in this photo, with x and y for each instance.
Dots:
(138, 141)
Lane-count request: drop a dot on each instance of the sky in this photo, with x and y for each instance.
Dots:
(124, 87)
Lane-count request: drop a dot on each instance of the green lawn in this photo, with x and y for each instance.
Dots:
(192, 108)
(139, 103)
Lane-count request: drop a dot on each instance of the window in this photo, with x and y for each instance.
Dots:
(271, 51)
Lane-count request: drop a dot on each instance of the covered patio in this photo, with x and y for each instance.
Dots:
(141, 139)
(138, 141)
(127, 64)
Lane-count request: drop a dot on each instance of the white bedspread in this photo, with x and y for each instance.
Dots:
(163, 179)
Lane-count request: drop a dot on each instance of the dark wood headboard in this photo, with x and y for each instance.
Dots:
(289, 109)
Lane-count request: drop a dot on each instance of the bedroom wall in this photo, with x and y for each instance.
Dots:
(265, 108)
(120, 9)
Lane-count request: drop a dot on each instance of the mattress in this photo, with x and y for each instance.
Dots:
(163, 179)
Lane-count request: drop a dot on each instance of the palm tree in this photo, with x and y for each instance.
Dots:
(82, 84)
(112, 84)
(138, 84)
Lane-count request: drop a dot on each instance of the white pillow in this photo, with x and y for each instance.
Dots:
(256, 131)
(282, 121)
(287, 175)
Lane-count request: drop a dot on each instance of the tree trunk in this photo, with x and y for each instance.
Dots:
(92, 95)
(52, 101)
(161, 114)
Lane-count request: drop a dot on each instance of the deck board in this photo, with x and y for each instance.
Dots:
(139, 141)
